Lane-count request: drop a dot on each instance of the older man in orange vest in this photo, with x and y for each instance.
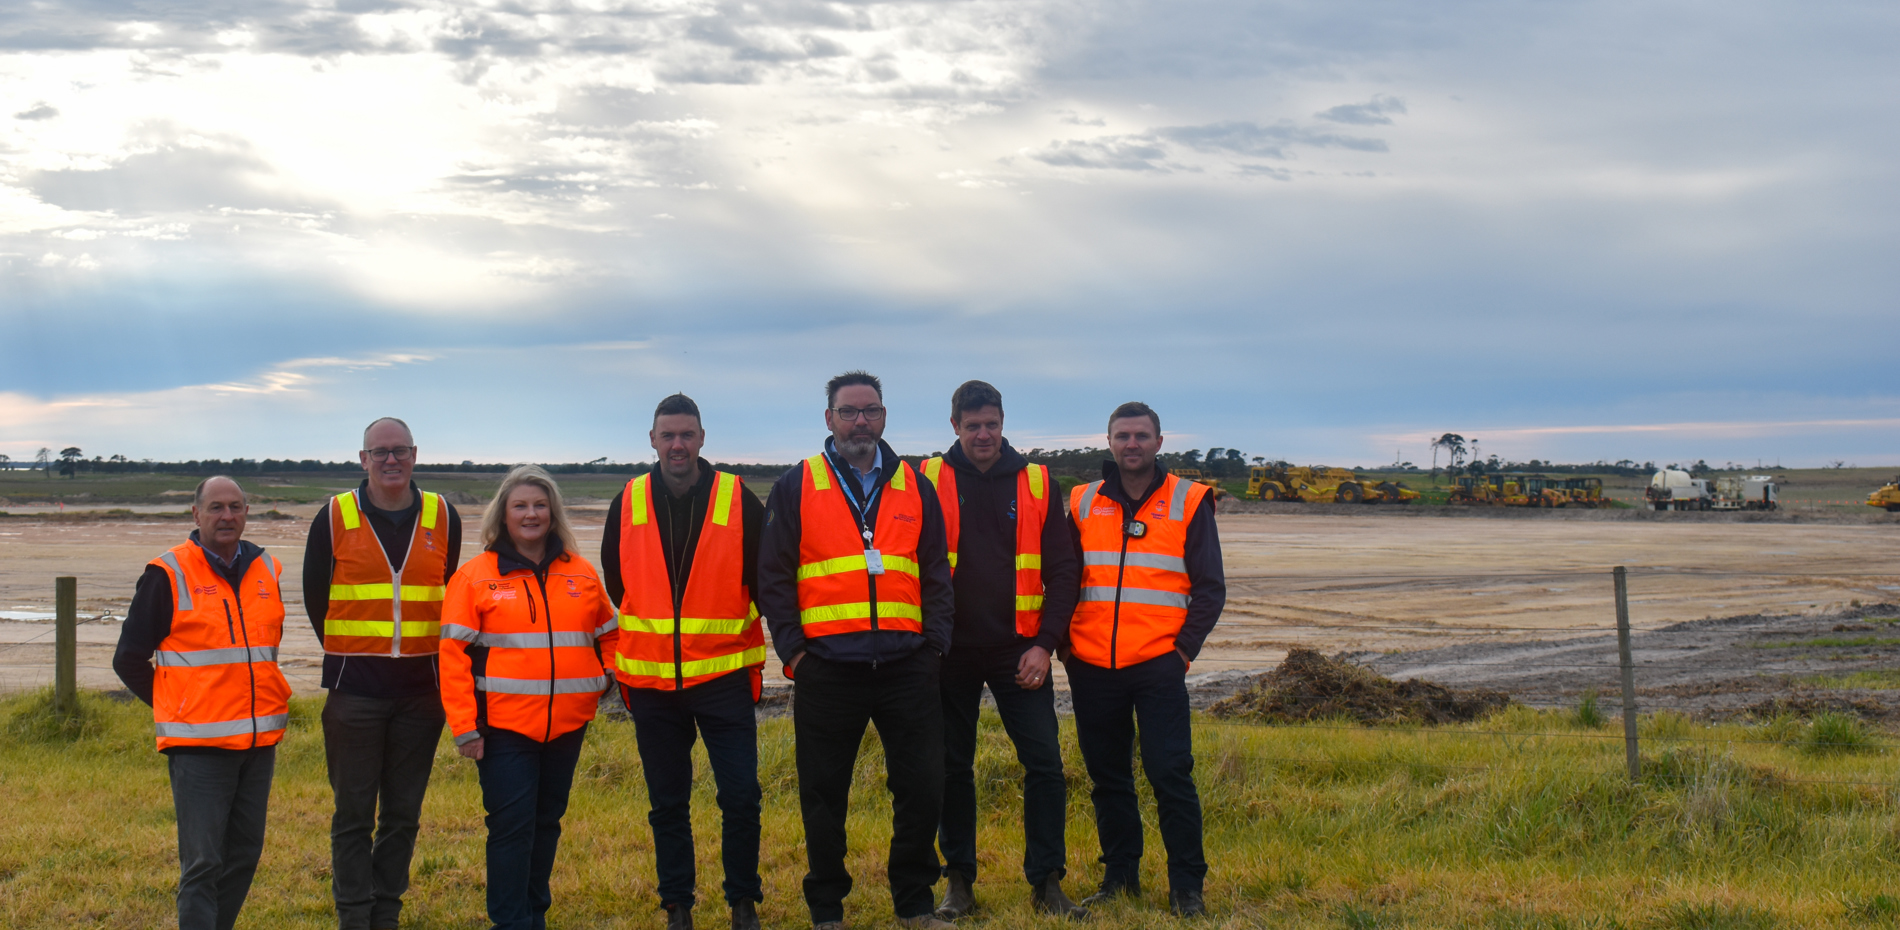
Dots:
(376, 566)
(211, 613)
(1152, 589)
(855, 585)
(680, 556)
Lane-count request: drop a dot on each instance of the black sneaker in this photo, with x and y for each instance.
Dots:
(1111, 890)
(1186, 903)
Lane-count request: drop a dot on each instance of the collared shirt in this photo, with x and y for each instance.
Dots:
(867, 480)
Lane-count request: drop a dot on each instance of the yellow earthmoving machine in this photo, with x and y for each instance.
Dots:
(1194, 475)
(1501, 490)
(1321, 485)
(1888, 497)
(1584, 492)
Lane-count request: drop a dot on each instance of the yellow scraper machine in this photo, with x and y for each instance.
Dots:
(1321, 485)
(1513, 490)
(1888, 497)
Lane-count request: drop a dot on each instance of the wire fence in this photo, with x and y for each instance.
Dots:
(1813, 684)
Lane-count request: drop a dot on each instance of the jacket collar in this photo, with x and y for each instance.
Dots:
(1112, 486)
(887, 460)
(400, 516)
(702, 488)
(1008, 462)
(234, 570)
(508, 561)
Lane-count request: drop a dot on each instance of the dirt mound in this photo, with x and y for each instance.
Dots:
(1807, 705)
(1310, 686)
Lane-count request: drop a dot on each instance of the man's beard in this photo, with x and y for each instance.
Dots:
(858, 445)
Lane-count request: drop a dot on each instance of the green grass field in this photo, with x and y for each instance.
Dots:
(1523, 821)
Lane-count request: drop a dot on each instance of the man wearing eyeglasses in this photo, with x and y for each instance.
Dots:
(375, 570)
(854, 583)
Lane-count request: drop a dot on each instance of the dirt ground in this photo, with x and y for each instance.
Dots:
(1372, 582)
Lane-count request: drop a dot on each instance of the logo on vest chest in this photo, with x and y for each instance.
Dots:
(904, 517)
(501, 590)
(263, 592)
(428, 538)
(573, 588)
(207, 590)
(1109, 511)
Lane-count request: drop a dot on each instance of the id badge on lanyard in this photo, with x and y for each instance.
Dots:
(873, 559)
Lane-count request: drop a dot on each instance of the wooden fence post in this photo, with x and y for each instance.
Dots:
(65, 645)
(1629, 674)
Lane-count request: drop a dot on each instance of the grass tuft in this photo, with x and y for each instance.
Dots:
(1589, 715)
(1719, 917)
(34, 720)
(1832, 733)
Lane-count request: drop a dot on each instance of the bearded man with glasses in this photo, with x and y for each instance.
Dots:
(854, 583)
(375, 570)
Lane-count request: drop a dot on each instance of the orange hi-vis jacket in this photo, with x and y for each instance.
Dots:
(715, 629)
(217, 684)
(1134, 588)
(1032, 511)
(375, 610)
(523, 653)
(836, 591)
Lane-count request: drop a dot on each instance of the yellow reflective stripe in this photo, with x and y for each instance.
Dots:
(722, 498)
(636, 502)
(384, 629)
(429, 506)
(1028, 602)
(352, 518)
(953, 560)
(820, 472)
(1026, 562)
(384, 592)
(897, 478)
(859, 610)
(933, 467)
(689, 625)
(1035, 481)
(695, 668)
(847, 563)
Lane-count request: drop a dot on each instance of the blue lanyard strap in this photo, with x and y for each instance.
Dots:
(852, 488)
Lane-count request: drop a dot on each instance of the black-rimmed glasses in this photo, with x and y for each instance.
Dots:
(399, 453)
(849, 414)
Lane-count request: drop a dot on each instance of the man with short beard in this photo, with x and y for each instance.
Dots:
(854, 583)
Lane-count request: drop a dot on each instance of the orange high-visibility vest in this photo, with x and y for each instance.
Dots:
(375, 610)
(836, 591)
(1032, 511)
(522, 655)
(217, 683)
(1134, 589)
(715, 629)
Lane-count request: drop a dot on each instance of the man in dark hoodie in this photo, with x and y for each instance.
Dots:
(854, 585)
(1015, 576)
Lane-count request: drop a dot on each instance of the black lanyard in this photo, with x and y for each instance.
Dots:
(852, 488)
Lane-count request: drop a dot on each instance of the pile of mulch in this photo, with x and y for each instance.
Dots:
(1309, 686)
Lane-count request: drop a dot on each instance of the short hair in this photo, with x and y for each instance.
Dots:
(372, 425)
(673, 404)
(974, 395)
(198, 493)
(1135, 408)
(494, 519)
(858, 376)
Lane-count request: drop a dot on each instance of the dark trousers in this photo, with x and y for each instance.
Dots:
(1108, 702)
(831, 703)
(524, 789)
(1029, 717)
(221, 799)
(380, 752)
(664, 724)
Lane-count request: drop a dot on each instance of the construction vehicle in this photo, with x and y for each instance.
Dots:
(1754, 492)
(1583, 492)
(1194, 475)
(1888, 497)
(1515, 490)
(1673, 489)
(1321, 485)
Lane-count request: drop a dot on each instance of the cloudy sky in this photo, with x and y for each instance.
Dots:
(1322, 231)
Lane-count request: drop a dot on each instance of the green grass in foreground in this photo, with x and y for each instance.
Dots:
(1878, 679)
(1478, 826)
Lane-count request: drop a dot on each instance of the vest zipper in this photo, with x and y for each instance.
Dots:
(542, 580)
(249, 668)
(1115, 627)
(679, 597)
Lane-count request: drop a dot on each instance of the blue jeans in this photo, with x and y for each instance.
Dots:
(720, 711)
(524, 789)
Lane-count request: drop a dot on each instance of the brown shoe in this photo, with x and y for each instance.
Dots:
(925, 922)
(958, 898)
(1049, 899)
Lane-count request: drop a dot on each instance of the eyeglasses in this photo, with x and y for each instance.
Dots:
(848, 414)
(399, 453)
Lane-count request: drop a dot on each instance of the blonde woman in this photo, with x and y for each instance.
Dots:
(524, 629)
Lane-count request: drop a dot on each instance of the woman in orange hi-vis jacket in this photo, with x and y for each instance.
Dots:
(525, 627)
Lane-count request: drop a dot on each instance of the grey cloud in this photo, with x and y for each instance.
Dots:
(42, 111)
(1124, 153)
(1243, 138)
(166, 176)
(1371, 113)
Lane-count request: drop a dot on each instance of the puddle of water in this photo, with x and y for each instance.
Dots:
(26, 615)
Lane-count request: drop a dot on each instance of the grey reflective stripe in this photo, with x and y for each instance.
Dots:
(1088, 499)
(607, 627)
(237, 727)
(531, 640)
(1137, 596)
(459, 632)
(1178, 503)
(540, 685)
(182, 599)
(1171, 563)
(198, 658)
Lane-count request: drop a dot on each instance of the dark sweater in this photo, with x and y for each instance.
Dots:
(680, 518)
(1207, 579)
(777, 593)
(985, 579)
(384, 677)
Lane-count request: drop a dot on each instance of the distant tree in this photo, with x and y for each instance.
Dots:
(1454, 448)
(6, 461)
(69, 461)
(43, 461)
(1837, 463)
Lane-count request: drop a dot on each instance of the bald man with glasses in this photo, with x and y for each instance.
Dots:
(375, 570)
